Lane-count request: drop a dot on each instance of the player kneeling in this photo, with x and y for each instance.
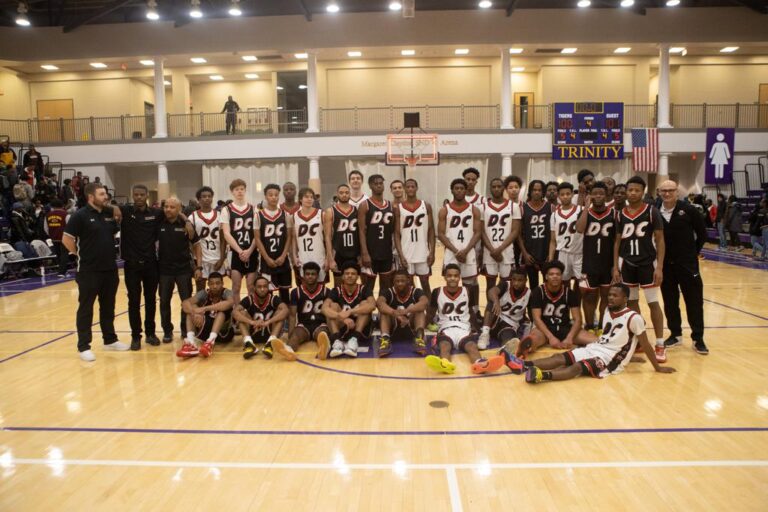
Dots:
(209, 316)
(623, 328)
(261, 317)
(307, 321)
(403, 315)
(452, 305)
(506, 316)
(348, 309)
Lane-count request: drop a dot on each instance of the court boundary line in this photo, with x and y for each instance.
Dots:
(734, 309)
(454, 491)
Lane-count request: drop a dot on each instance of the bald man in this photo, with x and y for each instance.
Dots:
(684, 236)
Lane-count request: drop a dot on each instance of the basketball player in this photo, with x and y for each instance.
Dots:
(237, 222)
(206, 224)
(415, 235)
(342, 242)
(376, 227)
(261, 316)
(273, 231)
(398, 195)
(501, 227)
(306, 321)
(551, 193)
(403, 315)
(209, 317)
(556, 315)
(308, 244)
(348, 309)
(623, 329)
(598, 225)
(512, 185)
(289, 204)
(619, 197)
(585, 179)
(356, 194)
(638, 256)
(565, 243)
(536, 229)
(506, 316)
(452, 306)
(472, 176)
(610, 185)
(459, 228)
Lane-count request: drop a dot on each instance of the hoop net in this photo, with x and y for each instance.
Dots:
(412, 149)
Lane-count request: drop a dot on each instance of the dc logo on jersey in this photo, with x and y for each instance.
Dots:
(637, 230)
(271, 230)
(241, 223)
(414, 220)
(511, 308)
(460, 221)
(501, 220)
(312, 230)
(570, 228)
(551, 310)
(207, 232)
(602, 229)
(539, 219)
(262, 316)
(381, 218)
(450, 308)
(347, 225)
(311, 307)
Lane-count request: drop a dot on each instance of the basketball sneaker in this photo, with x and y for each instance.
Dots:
(350, 347)
(187, 350)
(385, 346)
(267, 350)
(489, 365)
(700, 347)
(153, 340)
(420, 346)
(440, 364)
(337, 349)
(323, 344)
(117, 346)
(87, 356)
(249, 350)
(515, 364)
(533, 375)
(207, 349)
(284, 349)
(136, 343)
(673, 341)
(432, 327)
(661, 354)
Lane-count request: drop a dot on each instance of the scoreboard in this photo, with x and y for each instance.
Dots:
(588, 131)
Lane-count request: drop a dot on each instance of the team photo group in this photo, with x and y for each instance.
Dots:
(563, 264)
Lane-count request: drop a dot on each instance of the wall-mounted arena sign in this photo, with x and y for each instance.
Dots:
(588, 131)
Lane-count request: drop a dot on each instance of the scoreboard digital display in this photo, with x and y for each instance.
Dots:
(588, 131)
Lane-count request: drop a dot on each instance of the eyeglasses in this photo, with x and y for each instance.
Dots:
(667, 190)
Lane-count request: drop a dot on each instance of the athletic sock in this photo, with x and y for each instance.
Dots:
(212, 337)
(546, 375)
(485, 329)
(659, 342)
(191, 337)
(247, 339)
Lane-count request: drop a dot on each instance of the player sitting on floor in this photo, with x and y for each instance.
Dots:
(307, 322)
(623, 328)
(403, 314)
(348, 309)
(209, 316)
(506, 316)
(556, 314)
(451, 303)
(261, 317)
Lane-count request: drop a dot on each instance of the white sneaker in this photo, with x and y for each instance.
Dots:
(87, 356)
(484, 340)
(117, 346)
(337, 349)
(350, 348)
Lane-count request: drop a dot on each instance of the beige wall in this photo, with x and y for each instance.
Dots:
(210, 97)
(526, 82)
(589, 83)
(98, 98)
(140, 93)
(717, 83)
(14, 101)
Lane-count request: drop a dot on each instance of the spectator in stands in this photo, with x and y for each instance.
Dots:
(8, 179)
(67, 193)
(758, 230)
(22, 233)
(7, 155)
(711, 215)
(55, 220)
(23, 193)
(720, 221)
(34, 160)
(733, 221)
(231, 108)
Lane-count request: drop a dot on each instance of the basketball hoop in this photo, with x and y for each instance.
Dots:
(412, 149)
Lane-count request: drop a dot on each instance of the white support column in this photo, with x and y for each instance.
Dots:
(314, 174)
(313, 113)
(163, 187)
(663, 165)
(507, 119)
(663, 120)
(506, 164)
(161, 123)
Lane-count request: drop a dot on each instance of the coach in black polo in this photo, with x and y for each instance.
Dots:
(90, 234)
(684, 236)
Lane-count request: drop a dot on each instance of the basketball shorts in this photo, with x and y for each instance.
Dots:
(378, 267)
(495, 269)
(245, 267)
(280, 277)
(341, 261)
(596, 280)
(457, 336)
(262, 335)
(227, 330)
(595, 360)
(313, 328)
(572, 262)
(209, 268)
(560, 332)
(634, 275)
(503, 331)
(419, 269)
(403, 333)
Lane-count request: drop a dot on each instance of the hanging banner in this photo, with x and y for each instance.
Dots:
(719, 155)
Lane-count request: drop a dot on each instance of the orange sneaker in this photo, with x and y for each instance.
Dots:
(489, 365)
(207, 349)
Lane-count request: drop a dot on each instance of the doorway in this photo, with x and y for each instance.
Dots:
(55, 120)
(763, 106)
(292, 101)
(149, 119)
(524, 117)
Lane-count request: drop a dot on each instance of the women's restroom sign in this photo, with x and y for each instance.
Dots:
(719, 155)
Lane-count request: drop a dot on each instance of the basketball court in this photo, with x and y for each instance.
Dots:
(145, 430)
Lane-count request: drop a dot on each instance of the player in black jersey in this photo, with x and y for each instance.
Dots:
(348, 309)
(261, 316)
(342, 242)
(306, 322)
(536, 231)
(598, 225)
(209, 317)
(638, 256)
(237, 224)
(273, 239)
(376, 226)
(403, 314)
(619, 196)
(550, 193)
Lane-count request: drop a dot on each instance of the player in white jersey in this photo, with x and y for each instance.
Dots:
(415, 235)
(459, 228)
(452, 306)
(472, 176)
(501, 227)
(206, 224)
(566, 244)
(623, 329)
(356, 194)
(308, 244)
(506, 316)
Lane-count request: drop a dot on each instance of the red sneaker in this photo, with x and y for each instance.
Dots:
(187, 350)
(661, 354)
(207, 349)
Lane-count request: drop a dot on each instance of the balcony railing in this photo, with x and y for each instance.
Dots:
(353, 120)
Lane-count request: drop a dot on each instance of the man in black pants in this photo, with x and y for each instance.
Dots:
(177, 241)
(90, 233)
(231, 108)
(137, 244)
(684, 236)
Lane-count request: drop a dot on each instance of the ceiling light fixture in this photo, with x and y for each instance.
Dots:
(49, 67)
(198, 60)
(280, 87)
(729, 49)
(166, 83)
(216, 77)
(302, 86)
(250, 58)
(354, 54)
(622, 49)
(152, 13)
(407, 53)
(332, 8)
(461, 51)
(301, 55)
(677, 49)
(395, 6)
(584, 3)
(98, 65)
(195, 11)
(518, 69)
(147, 62)
(515, 51)
(673, 3)
(21, 15)
(485, 4)
(251, 76)
(234, 9)
(627, 3)
(569, 50)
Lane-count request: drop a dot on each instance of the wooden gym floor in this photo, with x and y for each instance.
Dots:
(146, 431)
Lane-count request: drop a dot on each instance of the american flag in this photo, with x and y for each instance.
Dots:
(645, 150)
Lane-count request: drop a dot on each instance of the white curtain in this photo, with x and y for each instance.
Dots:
(257, 176)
